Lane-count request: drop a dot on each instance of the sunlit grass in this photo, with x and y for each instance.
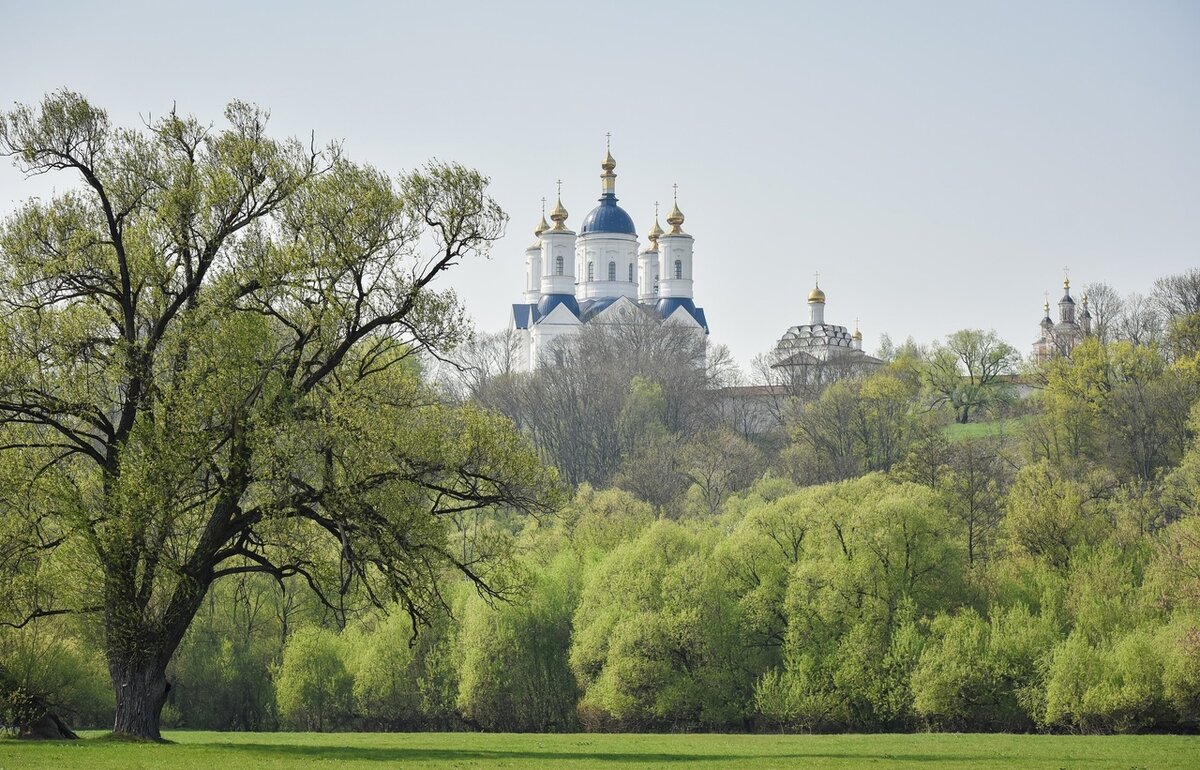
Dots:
(212, 751)
(1010, 427)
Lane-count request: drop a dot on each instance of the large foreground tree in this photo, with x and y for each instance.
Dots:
(208, 367)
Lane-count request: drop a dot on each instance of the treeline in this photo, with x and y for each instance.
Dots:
(875, 566)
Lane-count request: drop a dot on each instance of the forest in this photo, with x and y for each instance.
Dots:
(869, 570)
(297, 493)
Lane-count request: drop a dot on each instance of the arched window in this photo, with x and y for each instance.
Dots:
(558, 265)
(631, 272)
(656, 283)
(679, 268)
(612, 271)
(591, 270)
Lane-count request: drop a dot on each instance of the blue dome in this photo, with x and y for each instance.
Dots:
(550, 301)
(608, 217)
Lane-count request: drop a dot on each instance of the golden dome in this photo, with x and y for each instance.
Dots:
(816, 295)
(558, 215)
(675, 219)
(608, 164)
(655, 232)
(1066, 283)
(857, 335)
(542, 227)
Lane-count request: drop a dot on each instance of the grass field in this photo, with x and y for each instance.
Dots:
(956, 432)
(215, 751)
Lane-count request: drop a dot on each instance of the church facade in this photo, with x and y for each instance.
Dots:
(1059, 339)
(601, 275)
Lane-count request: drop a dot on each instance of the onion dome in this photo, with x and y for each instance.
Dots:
(1066, 293)
(558, 215)
(857, 335)
(1046, 320)
(675, 219)
(608, 217)
(541, 228)
(1085, 313)
(654, 234)
(816, 295)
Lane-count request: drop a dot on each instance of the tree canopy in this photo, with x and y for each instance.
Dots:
(209, 366)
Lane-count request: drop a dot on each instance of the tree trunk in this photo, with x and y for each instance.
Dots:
(141, 689)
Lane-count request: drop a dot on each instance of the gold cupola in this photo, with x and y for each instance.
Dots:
(608, 179)
(816, 295)
(542, 227)
(654, 234)
(675, 219)
(558, 214)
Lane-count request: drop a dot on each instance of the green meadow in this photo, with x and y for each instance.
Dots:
(280, 751)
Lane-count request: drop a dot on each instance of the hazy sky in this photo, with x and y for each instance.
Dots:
(937, 162)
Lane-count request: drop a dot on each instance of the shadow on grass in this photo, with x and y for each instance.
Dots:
(415, 754)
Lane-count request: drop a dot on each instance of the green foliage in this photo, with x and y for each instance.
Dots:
(1111, 685)
(207, 369)
(654, 637)
(314, 685)
(48, 667)
(514, 674)
(976, 674)
(222, 672)
(882, 555)
(967, 373)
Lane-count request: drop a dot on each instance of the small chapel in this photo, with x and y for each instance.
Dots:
(602, 274)
(818, 351)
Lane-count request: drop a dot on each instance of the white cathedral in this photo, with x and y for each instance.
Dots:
(600, 276)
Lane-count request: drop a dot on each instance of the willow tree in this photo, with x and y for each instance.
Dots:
(208, 367)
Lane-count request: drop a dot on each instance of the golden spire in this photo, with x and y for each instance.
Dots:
(1067, 280)
(675, 217)
(542, 226)
(655, 231)
(558, 214)
(608, 180)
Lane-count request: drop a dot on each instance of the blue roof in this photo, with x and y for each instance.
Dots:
(550, 301)
(523, 315)
(608, 217)
(668, 305)
(590, 308)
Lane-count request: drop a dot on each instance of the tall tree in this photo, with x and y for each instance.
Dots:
(208, 368)
(968, 372)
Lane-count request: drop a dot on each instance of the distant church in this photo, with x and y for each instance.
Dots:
(817, 351)
(599, 276)
(1059, 339)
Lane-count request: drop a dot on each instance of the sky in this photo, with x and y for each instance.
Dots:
(938, 163)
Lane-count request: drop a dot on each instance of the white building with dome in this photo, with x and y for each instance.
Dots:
(819, 351)
(600, 275)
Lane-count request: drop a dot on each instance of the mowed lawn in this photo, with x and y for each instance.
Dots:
(216, 751)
